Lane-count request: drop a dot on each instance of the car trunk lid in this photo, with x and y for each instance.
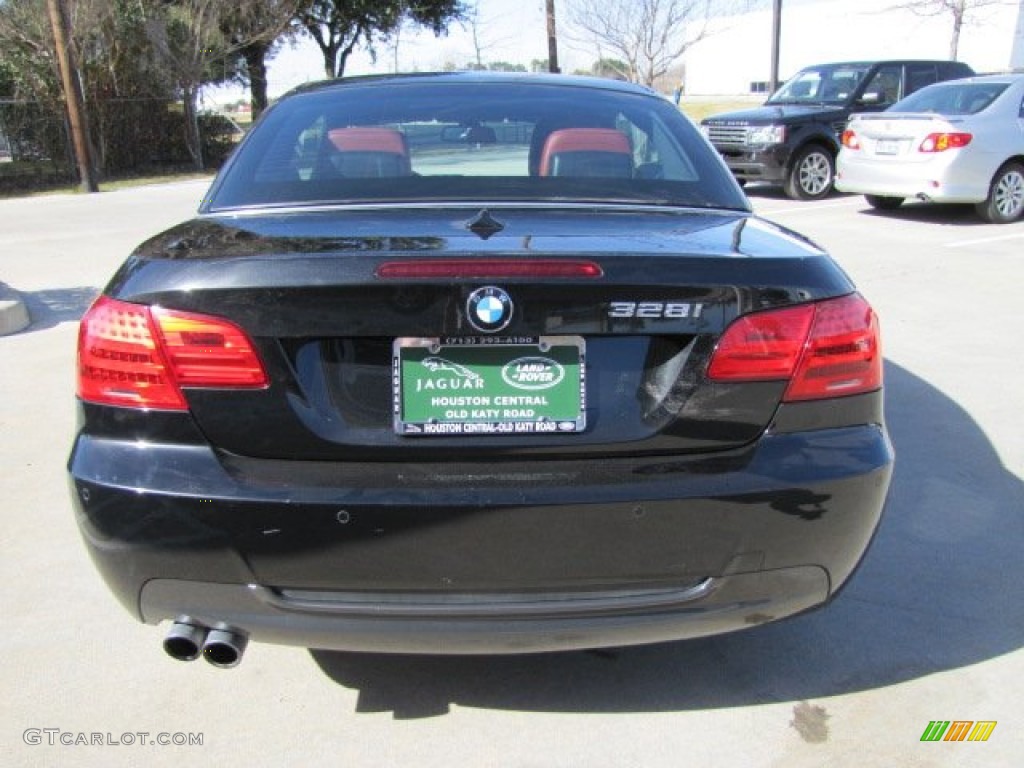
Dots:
(314, 291)
(899, 137)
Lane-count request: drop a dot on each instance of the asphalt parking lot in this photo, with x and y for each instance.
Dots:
(931, 628)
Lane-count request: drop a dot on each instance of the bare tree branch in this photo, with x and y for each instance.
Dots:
(648, 35)
(960, 12)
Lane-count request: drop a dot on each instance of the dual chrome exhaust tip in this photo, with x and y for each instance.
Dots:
(222, 647)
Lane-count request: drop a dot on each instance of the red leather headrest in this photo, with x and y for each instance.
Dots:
(368, 140)
(582, 140)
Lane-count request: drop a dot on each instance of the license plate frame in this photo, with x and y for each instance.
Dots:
(466, 386)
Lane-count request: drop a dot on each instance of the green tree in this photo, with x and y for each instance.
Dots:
(505, 66)
(610, 68)
(205, 41)
(117, 66)
(339, 26)
(255, 31)
(187, 37)
(27, 50)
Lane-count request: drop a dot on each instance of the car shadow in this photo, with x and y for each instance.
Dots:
(49, 308)
(765, 191)
(949, 214)
(939, 589)
(946, 214)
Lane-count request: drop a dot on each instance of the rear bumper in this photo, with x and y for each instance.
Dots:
(518, 557)
(522, 626)
(944, 180)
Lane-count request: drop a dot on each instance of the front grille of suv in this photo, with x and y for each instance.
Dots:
(728, 134)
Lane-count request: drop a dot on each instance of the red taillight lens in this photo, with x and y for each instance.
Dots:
(135, 356)
(488, 268)
(850, 140)
(828, 349)
(763, 346)
(207, 351)
(940, 142)
(119, 360)
(843, 355)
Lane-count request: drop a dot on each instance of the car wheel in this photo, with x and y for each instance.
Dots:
(884, 203)
(811, 175)
(1005, 201)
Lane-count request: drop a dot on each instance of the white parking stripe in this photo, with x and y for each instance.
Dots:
(982, 241)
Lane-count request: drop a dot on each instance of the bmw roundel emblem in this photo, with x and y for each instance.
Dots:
(489, 309)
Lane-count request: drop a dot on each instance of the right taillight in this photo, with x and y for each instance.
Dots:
(137, 356)
(940, 142)
(850, 139)
(826, 349)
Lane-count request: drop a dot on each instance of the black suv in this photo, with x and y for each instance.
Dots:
(793, 139)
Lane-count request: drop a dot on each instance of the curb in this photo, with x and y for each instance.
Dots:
(13, 313)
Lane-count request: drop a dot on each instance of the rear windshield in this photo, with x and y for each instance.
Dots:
(427, 141)
(951, 98)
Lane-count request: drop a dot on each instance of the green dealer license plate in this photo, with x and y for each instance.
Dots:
(489, 386)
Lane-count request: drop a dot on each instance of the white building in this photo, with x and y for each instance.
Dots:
(1017, 55)
(738, 53)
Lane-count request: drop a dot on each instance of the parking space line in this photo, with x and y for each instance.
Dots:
(984, 240)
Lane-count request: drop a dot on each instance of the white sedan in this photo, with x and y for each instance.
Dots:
(960, 141)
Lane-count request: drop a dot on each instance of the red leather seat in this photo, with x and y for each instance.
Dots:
(589, 152)
(370, 152)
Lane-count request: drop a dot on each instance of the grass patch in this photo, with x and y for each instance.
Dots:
(698, 109)
(23, 180)
(164, 178)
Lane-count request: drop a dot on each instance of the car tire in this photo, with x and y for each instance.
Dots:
(812, 174)
(1005, 201)
(884, 202)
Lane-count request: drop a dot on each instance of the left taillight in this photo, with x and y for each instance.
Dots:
(826, 349)
(139, 356)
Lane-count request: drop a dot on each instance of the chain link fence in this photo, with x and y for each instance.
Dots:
(34, 148)
(130, 137)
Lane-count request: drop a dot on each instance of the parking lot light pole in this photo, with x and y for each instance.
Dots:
(773, 85)
(71, 81)
(552, 39)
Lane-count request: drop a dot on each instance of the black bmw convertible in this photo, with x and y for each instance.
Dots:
(474, 363)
